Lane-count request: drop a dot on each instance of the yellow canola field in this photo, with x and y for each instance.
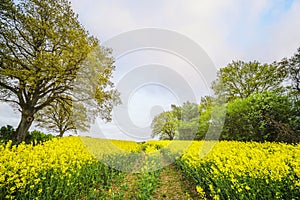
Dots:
(245, 170)
(257, 160)
(220, 169)
(23, 165)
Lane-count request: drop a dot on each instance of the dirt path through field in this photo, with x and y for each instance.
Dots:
(174, 186)
(128, 187)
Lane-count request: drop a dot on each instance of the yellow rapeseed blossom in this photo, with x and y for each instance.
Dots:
(272, 162)
(23, 165)
(201, 192)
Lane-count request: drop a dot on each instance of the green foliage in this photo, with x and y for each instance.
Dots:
(259, 108)
(189, 121)
(260, 117)
(61, 118)
(43, 51)
(292, 66)
(7, 133)
(181, 122)
(189, 111)
(259, 105)
(240, 79)
(147, 185)
(35, 137)
(205, 109)
(187, 129)
(93, 86)
(165, 125)
(177, 111)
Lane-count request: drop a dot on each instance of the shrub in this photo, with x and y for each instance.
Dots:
(35, 137)
(7, 133)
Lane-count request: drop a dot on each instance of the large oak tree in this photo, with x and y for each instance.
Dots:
(43, 48)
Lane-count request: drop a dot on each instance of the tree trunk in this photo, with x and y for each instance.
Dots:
(61, 133)
(171, 136)
(24, 125)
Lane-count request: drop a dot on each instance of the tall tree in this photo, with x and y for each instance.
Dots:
(63, 117)
(187, 130)
(189, 122)
(292, 65)
(177, 111)
(42, 48)
(165, 125)
(240, 79)
(189, 111)
(205, 108)
(294, 70)
(185, 112)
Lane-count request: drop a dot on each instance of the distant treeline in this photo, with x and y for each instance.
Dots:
(252, 102)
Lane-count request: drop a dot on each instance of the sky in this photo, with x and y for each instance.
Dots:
(263, 30)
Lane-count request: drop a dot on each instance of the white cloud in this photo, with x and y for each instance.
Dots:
(284, 35)
(103, 18)
(227, 30)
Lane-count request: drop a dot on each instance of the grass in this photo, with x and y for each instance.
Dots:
(173, 185)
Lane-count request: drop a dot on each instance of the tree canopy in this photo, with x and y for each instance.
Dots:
(240, 79)
(63, 117)
(263, 116)
(165, 125)
(292, 66)
(42, 50)
(262, 103)
(180, 123)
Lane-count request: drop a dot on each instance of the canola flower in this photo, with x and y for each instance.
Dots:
(127, 156)
(31, 171)
(69, 168)
(259, 160)
(128, 146)
(154, 146)
(245, 170)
